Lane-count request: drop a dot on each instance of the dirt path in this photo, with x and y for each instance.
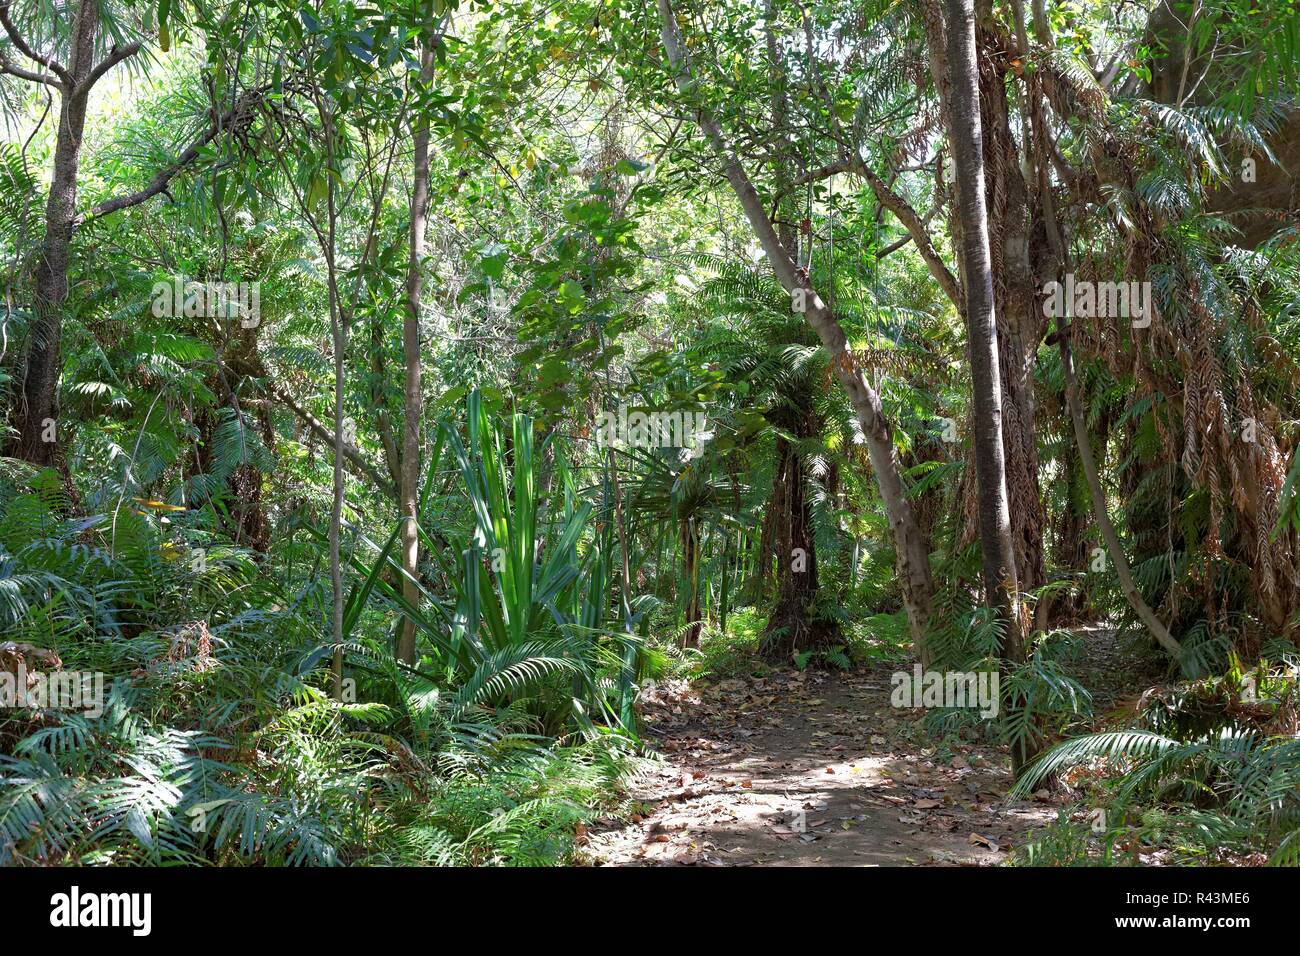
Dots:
(810, 769)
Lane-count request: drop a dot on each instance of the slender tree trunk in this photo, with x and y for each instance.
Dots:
(724, 604)
(766, 546)
(1104, 525)
(338, 334)
(411, 351)
(383, 421)
(339, 337)
(1082, 438)
(781, 165)
(690, 538)
(966, 138)
(912, 550)
(1014, 241)
(1069, 551)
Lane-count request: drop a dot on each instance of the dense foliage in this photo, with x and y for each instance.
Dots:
(392, 392)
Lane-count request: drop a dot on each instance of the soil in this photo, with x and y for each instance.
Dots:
(806, 768)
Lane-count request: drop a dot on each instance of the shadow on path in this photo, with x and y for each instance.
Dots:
(799, 769)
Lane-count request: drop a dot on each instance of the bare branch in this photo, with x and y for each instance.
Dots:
(893, 247)
(156, 185)
(23, 74)
(820, 173)
(326, 433)
(115, 56)
(911, 221)
(26, 50)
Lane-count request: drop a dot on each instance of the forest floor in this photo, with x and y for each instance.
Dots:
(809, 768)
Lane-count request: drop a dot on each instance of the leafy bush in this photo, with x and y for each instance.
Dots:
(1212, 768)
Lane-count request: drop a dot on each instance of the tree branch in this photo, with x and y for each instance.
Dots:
(26, 50)
(156, 185)
(326, 433)
(911, 546)
(903, 212)
(893, 247)
(23, 74)
(820, 173)
(115, 56)
(851, 162)
(911, 221)
(162, 180)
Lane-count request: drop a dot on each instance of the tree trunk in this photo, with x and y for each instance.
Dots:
(790, 627)
(724, 603)
(966, 139)
(339, 338)
(690, 538)
(40, 399)
(1070, 548)
(411, 351)
(781, 165)
(1104, 526)
(1014, 246)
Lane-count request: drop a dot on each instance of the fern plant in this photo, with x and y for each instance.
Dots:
(1221, 777)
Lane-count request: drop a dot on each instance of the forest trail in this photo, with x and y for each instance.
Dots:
(810, 769)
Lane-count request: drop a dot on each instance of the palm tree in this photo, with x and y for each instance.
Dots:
(689, 497)
(752, 337)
